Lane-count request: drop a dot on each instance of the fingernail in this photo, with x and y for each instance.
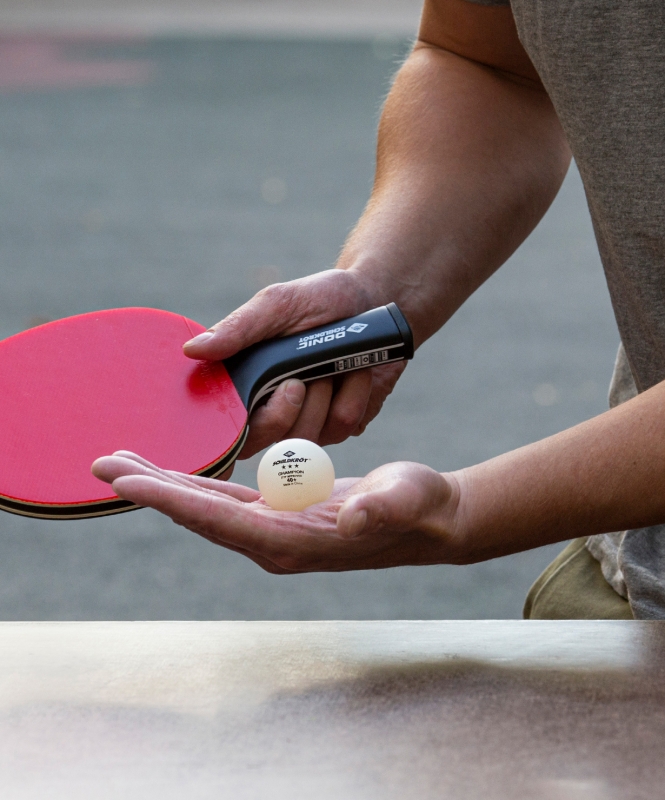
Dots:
(294, 392)
(200, 339)
(358, 522)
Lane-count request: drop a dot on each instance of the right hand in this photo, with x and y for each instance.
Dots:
(326, 411)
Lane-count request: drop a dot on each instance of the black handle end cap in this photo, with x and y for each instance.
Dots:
(404, 329)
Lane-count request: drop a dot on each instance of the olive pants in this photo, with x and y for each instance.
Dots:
(573, 587)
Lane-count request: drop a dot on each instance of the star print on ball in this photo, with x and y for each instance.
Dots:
(295, 474)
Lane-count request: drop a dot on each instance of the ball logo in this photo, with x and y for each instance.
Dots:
(357, 327)
(290, 460)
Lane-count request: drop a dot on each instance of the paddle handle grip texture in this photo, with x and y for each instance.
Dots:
(376, 337)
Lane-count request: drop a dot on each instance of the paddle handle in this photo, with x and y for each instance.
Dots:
(376, 337)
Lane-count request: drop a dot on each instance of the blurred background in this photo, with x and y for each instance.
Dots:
(183, 155)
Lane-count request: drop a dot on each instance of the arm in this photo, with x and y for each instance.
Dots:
(605, 474)
(470, 155)
(469, 159)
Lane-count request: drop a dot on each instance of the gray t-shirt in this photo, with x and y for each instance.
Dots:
(603, 66)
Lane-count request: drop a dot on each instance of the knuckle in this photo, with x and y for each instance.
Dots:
(274, 431)
(268, 425)
(270, 294)
(347, 417)
(336, 435)
(272, 569)
(287, 561)
(360, 429)
(266, 421)
(233, 322)
(250, 449)
(206, 511)
(279, 407)
(243, 320)
(320, 390)
(281, 299)
(386, 376)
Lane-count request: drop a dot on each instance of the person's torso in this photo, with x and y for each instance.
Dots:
(602, 63)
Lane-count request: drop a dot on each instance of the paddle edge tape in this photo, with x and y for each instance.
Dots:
(104, 508)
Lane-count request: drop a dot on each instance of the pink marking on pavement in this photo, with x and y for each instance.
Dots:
(47, 62)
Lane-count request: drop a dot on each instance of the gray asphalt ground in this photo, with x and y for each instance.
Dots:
(239, 163)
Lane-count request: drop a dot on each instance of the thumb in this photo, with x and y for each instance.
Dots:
(399, 497)
(279, 310)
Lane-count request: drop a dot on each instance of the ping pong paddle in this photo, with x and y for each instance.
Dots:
(82, 387)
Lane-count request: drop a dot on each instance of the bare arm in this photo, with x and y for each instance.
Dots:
(470, 155)
(427, 240)
(469, 159)
(607, 474)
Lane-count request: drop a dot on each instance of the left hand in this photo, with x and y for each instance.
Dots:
(401, 513)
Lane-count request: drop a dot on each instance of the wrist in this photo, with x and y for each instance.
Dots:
(476, 527)
(371, 282)
(377, 285)
(449, 520)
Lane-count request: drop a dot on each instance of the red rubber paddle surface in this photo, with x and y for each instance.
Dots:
(85, 386)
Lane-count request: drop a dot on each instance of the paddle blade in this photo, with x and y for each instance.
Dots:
(85, 386)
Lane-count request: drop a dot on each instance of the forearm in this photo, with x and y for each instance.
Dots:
(469, 159)
(606, 474)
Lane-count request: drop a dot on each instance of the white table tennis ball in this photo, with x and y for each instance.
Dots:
(295, 474)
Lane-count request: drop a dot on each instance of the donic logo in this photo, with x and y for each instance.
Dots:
(329, 336)
(289, 453)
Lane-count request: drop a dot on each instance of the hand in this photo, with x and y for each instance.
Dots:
(399, 514)
(324, 411)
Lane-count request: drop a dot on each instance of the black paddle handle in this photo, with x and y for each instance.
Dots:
(376, 337)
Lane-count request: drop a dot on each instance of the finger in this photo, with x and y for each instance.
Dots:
(241, 493)
(212, 515)
(348, 407)
(314, 411)
(235, 490)
(123, 456)
(128, 454)
(270, 422)
(281, 309)
(109, 468)
(384, 379)
(225, 476)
